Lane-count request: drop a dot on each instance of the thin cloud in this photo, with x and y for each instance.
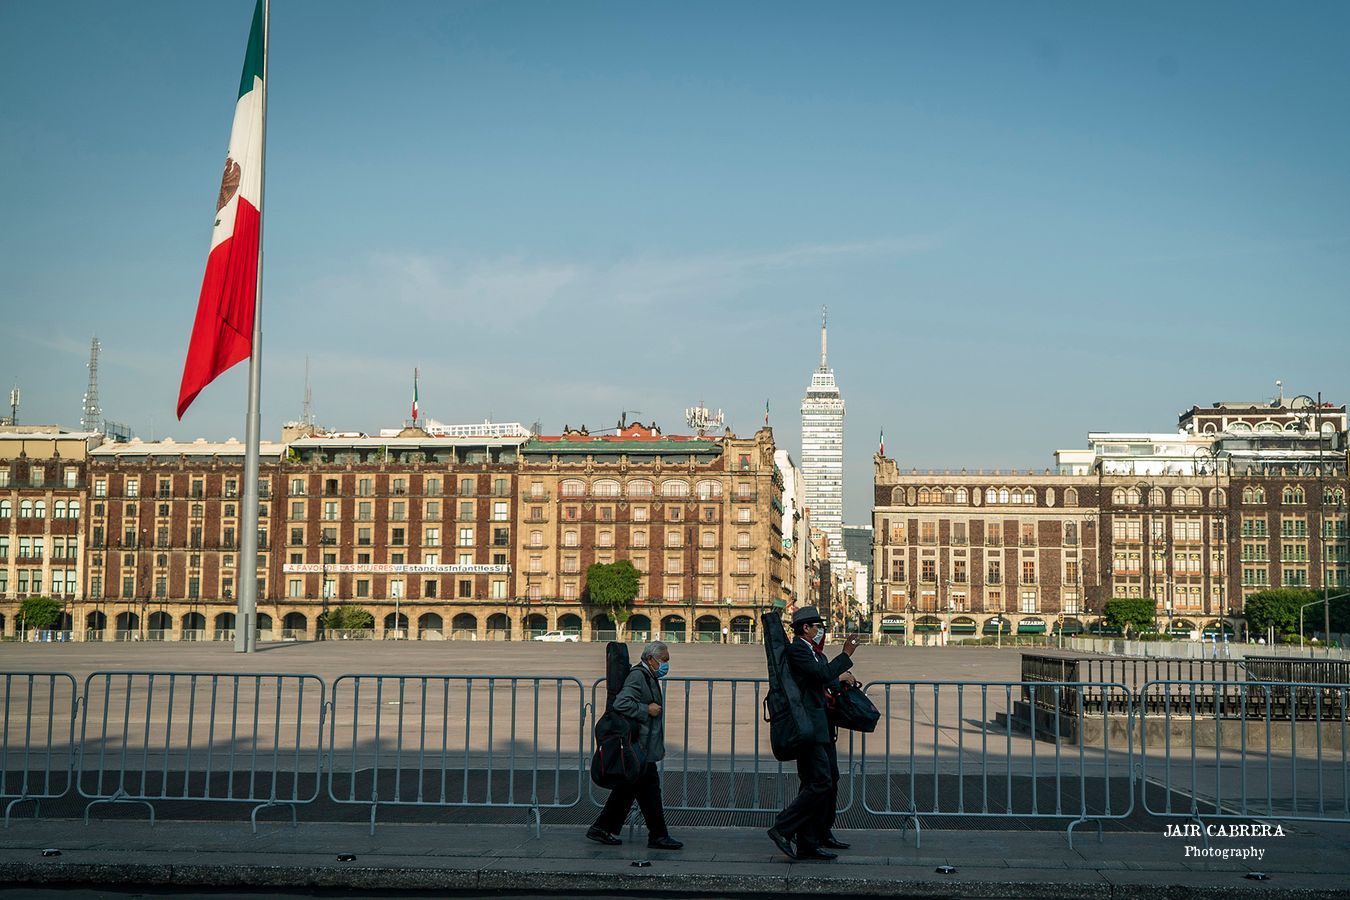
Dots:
(501, 293)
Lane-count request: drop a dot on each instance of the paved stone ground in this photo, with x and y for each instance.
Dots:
(329, 659)
(488, 860)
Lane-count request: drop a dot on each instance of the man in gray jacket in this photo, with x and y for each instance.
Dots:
(640, 699)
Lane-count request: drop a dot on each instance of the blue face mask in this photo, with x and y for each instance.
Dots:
(663, 670)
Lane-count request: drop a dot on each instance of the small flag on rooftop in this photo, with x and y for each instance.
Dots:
(414, 406)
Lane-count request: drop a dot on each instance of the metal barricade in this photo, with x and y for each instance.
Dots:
(1246, 749)
(457, 740)
(980, 749)
(201, 737)
(718, 757)
(37, 737)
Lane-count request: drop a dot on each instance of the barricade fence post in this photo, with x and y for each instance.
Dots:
(202, 737)
(1269, 750)
(457, 741)
(37, 737)
(1024, 750)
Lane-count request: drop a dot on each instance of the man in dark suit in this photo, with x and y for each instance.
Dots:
(808, 818)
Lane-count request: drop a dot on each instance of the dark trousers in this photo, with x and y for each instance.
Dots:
(811, 813)
(828, 810)
(647, 792)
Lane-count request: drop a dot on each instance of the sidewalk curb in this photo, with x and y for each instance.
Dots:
(577, 883)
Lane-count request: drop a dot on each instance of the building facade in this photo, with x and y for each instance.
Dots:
(968, 554)
(43, 509)
(823, 454)
(484, 537)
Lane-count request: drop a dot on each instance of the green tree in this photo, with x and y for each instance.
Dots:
(346, 618)
(39, 613)
(613, 587)
(1130, 614)
(1279, 607)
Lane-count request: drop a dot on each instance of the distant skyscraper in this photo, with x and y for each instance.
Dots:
(823, 454)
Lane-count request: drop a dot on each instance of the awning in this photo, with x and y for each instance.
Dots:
(892, 629)
(1030, 627)
(963, 628)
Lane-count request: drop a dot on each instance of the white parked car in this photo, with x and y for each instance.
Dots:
(557, 637)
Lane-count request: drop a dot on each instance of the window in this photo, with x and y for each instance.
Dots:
(570, 539)
(400, 487)
(959, 571)
(74, 509)
(573, 488)
(36, 475)
(639, 538)
(133, 487)
(466, 487)
(674, 488)
(640, 488)
(1027, 602)
(101, 487)
(606, 488)
(742, 539)
(1028, 571)
(674, 538)
(641, 514)
(432, 537)
(928, 570)
(499, 511)
(995, 571)
(432, 487)
(465, 537)
(397, 537)
(536, 539)
(898, 569)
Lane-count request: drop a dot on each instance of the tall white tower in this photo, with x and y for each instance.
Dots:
(823, 454)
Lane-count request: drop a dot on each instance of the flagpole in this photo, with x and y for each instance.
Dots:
(247, 579)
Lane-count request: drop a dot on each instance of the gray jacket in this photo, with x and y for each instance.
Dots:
(639, 689)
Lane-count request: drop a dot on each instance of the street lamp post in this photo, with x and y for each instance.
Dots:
(324, 543)
(1325, 600)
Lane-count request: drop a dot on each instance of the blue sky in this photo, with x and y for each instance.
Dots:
(1029, 220)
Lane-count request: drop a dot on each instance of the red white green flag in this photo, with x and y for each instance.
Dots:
(414, 408)
(222, 334)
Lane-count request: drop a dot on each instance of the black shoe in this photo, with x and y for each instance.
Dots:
(816, 853)
(834, 843)
(664, 843)
(600, 836)
(782, 842)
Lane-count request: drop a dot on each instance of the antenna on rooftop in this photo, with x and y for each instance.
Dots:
(306, 411)
(703, 419)
(92, 417)
(14, 405)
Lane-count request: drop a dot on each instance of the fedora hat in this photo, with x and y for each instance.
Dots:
(805, 615)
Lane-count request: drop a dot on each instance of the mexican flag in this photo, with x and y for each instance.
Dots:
(222, 334)
(414, 408)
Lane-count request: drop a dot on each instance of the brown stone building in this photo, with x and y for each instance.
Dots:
(470, 537)
(964, 554)
(43, 474)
